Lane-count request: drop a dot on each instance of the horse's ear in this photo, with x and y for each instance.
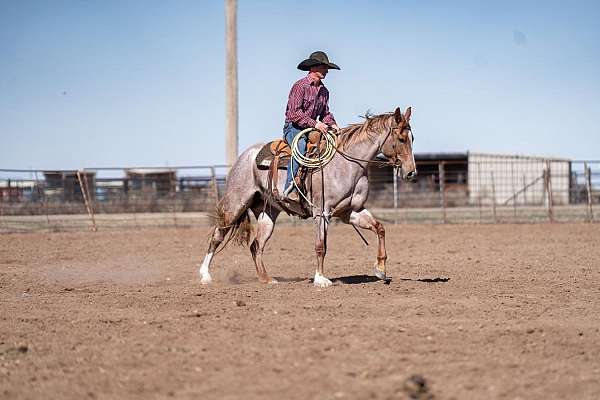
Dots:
(407, 113)
(398, 115)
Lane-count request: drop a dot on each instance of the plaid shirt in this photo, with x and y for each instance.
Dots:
(306, 102)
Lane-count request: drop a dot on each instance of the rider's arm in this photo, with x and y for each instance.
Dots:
(326, 115)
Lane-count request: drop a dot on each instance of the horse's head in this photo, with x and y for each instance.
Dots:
(398, 144)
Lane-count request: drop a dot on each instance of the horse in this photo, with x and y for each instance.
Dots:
(339, 190)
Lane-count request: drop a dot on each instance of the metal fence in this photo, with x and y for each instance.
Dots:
(471, 190)
(109, 197)
(491, 191)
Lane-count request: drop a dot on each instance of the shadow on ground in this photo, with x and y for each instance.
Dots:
(360, 279)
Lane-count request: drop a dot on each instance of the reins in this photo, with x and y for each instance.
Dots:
(380, 164)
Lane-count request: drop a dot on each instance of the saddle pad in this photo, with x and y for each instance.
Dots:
(265, 155)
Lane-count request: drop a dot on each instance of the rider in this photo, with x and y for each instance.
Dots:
(308, 100)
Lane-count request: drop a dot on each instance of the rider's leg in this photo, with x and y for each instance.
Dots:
(290, 132)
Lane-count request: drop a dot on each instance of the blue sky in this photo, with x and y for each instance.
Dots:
(141, 83)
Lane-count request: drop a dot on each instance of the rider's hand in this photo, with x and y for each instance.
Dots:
(321, 126)
(335, 127)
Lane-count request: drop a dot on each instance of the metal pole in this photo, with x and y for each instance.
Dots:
(83, 188)
(524, 191)
(493, 197)
(173, 194)
(442, 179)
(549, 192)
(231, 82)
(588, 188)
(42, 194)
(479, 188)
(512, 178)
(2, 202)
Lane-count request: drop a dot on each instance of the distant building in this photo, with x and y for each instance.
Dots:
(474, 178)
(65, 185)
(156, 180)
(517, 179)
(9, 192)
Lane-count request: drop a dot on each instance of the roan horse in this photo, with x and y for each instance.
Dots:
(341, 191)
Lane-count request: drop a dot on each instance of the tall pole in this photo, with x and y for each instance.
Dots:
(231, 84)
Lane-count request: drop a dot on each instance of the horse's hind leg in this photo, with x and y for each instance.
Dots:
(364, 219)
(230, 210)
(265, 225)
(217, 237)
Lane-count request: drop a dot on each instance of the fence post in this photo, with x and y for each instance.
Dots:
(479, 188)
(42, 192)
(84, 192)
(442, 179)
(173, 193)
(2, 203)
(514, 189)
(548, 185)
(493, 197)
(524, 191)
(588, 188)
(395, 172)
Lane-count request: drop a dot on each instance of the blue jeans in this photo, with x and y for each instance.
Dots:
(289, 132)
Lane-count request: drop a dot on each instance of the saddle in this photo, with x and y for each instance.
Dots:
(278, 151)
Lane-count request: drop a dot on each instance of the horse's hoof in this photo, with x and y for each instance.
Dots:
(380, 274)
(205, 279)
(321, 281)
(268, 280)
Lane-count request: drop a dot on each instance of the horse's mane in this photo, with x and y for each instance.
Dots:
(356, 133)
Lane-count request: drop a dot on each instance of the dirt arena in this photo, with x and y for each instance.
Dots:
(477, 311)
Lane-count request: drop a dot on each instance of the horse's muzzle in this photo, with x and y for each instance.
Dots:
(411, 176)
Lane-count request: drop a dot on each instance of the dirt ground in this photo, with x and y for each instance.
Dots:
(477, 311)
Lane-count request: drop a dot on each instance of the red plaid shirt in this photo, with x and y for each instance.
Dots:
(308, 100)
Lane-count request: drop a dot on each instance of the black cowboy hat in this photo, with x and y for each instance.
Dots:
(316, 58)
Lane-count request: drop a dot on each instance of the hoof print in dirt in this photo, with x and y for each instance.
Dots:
(415, 388)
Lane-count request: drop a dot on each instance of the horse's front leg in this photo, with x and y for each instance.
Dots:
(364, 219)
(321, 249)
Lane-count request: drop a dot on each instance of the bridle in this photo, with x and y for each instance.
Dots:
(395, 159)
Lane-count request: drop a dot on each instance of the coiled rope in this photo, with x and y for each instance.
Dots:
(315, 162)
(312, 162)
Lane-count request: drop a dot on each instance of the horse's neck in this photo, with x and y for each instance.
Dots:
(365, 150)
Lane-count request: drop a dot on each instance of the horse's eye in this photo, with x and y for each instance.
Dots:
(401, 141)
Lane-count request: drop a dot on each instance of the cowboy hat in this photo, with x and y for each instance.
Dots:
(316, 58)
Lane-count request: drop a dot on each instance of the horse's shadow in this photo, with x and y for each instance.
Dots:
(293, 280)
(351, 280)
(360, 279)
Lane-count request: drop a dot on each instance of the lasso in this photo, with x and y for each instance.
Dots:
(312, 162)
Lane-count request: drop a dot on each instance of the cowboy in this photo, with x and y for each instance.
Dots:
(308, 100)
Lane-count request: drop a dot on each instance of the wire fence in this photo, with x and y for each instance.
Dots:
(470, 189)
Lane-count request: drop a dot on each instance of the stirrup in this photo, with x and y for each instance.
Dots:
(293, 196)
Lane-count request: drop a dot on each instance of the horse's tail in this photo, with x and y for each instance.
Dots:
(240, 230)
